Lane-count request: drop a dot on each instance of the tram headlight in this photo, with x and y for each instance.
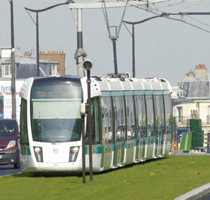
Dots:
(38, 153)
(73, 154)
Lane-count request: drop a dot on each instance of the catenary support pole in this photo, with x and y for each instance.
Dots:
(13, 85)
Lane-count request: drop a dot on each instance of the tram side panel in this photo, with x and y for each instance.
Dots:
(26, 159)
(130, 128)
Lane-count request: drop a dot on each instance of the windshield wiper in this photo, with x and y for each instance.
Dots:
(47, 133)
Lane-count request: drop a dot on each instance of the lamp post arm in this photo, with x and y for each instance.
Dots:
(44, 9)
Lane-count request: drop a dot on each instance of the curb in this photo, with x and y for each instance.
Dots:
(195, 193)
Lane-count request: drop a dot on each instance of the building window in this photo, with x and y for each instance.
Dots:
(194, 114)
(5, 71)
(181, 85)
(53, 70)
(180, 114)
(208, 115)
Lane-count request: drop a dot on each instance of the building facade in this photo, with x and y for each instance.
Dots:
(56, 58)
(191, 100)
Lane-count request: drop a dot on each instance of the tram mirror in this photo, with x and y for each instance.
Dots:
(87, 65)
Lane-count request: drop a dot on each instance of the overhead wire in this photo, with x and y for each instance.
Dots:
(31, 17)
(168, 17)
(199, 21)
(107, 18)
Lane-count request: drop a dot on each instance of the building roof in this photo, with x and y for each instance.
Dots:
(198, 89)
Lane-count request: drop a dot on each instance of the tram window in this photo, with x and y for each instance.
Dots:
(140, 116)
(159, 114)
(23, 123)
(55, 112)
(130, 117)
(106, 118)
(168, 113)
(119, 113)
(150, 115)
(56, 91)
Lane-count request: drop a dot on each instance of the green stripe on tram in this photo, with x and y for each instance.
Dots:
(126, 145)
(146, 140)
(97, 149)
(112, 146)
(25, 150)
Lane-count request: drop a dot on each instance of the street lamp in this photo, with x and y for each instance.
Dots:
(87, 65)
(37, 26)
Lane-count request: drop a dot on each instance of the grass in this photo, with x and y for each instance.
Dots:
(165, 178)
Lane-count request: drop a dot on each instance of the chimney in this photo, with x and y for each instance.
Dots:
(200, 71)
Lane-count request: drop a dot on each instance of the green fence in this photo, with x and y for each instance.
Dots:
(197, 140)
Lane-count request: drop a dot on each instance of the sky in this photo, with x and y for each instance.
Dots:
(164, 47)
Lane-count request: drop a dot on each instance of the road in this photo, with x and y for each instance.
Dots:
(8, 170)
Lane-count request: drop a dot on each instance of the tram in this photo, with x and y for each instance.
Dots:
(131, 122)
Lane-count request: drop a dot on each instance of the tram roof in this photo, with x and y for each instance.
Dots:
(129, 84)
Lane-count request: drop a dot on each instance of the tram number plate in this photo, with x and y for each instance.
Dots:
(0, 156)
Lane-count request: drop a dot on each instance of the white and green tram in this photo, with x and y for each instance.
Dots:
(131, 122)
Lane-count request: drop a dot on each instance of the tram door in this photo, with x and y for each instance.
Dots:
(140, 128)
(107, 132)
(119, 130)
(168, 122)
(150, 126)
(159, 124)
(129, 102)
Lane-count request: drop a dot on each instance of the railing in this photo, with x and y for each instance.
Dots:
(182, 121)
(208, 119)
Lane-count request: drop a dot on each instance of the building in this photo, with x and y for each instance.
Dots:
(191, 100)
(25, 67)
(56, 60)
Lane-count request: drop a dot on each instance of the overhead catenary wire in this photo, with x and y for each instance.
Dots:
(31, 17)
(104, 8)
(175, 19)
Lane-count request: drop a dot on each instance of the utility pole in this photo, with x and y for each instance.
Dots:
(13, 90)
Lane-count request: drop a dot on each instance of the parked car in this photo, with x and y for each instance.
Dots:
(9, 145)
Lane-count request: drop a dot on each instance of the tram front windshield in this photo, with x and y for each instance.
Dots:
(55, 111)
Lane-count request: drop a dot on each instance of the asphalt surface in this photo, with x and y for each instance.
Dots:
(6, 170)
